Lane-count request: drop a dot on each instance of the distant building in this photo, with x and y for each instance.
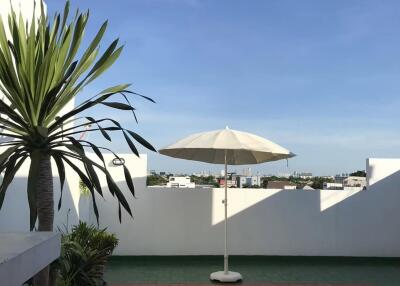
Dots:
(333, 186)
(328, 177)
(282, 185)
(202, 174)
(303, 175)
(231, 183)
(247, 172)
(162, 173)
(353, 181)
(340, 178)
(180, 182)
(283, 175)
(247, 181)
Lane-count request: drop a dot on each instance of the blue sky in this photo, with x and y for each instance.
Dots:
(321, 78)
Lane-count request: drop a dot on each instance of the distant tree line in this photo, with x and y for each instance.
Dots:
(156, 180)
(360, 173)
(206, 180)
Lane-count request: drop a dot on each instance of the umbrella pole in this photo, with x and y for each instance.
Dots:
(226, 275)
(226, 219)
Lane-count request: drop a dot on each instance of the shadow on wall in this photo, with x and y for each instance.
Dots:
(165, 222)
(291, 223)
(14, 215)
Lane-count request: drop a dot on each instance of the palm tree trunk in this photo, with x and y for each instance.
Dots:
(44, 199)
(45, 207)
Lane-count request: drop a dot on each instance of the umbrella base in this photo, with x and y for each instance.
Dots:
(221, 276)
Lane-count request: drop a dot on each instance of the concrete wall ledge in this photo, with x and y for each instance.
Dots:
(22, 255)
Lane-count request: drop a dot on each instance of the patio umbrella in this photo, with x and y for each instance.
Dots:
(228, 147)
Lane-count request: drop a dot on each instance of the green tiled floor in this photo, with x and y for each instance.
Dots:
(195, 269)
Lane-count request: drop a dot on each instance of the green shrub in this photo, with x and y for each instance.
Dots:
(84, 190)
(84, 254)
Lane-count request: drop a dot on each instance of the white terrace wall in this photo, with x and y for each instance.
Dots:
(379, 169)
(261, 222)
(14, 215)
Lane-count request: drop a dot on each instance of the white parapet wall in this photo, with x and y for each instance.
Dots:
(261, 221)
(170, 221)
(379, 169)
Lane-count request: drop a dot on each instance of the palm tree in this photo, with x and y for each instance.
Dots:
(39, 75)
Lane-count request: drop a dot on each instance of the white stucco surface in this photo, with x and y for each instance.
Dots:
(25, 7)
(261, 221)
(380, 168)
(22, 255)
(171, 221)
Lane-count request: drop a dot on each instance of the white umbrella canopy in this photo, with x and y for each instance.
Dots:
(228, 147)
(241, 148)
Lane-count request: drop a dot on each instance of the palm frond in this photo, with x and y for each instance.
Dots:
(40, 74)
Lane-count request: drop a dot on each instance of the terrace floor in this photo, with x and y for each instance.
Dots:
(256, 270)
